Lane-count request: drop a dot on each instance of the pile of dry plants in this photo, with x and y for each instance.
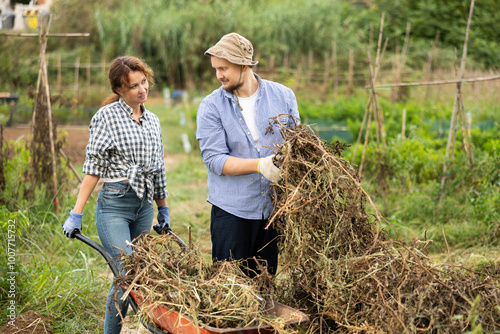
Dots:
(340, 267)
(336, 262)
(218, 295)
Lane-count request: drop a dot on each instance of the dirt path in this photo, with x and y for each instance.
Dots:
(76, 138)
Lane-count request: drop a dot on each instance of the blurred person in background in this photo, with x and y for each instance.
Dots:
(125, 149)
(237, 151)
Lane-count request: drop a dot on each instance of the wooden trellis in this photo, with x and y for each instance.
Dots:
(458, 113)
(373, 109)
(42, 113)
(458, 109)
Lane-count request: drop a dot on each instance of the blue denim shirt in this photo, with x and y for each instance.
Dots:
(222, 132)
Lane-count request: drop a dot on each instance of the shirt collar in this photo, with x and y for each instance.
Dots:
(129, 110)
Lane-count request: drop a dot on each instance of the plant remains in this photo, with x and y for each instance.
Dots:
(337, 263)
(339, 266)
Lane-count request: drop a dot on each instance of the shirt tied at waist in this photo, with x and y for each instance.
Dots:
(141, 180)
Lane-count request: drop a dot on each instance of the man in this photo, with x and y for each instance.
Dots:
(231, 130)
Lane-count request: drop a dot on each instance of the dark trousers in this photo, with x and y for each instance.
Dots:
(235, 238)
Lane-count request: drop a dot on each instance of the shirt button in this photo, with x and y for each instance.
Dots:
(248, 133)
(262, 192)
(240, 118)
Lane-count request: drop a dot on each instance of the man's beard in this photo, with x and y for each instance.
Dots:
(234, 87)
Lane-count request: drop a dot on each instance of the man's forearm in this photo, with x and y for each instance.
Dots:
(240, 166)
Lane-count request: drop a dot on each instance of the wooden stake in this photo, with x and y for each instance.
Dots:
(372, 102)
(366, 140)
(45, 82)
(379, 44)
(458, 103)
(400, 64)
(360, 133)
(378, 114)
(374, 99)
(43, 45)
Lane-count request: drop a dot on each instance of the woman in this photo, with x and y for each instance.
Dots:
(125, 149)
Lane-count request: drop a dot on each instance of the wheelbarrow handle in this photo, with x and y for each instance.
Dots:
(109, 259)
(177, 238)
(114, 268)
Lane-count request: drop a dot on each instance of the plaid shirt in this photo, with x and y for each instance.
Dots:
(120, 147)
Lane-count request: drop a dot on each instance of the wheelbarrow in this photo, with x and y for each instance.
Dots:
(168, 321)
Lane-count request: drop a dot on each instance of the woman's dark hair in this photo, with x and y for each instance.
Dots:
(118, 74)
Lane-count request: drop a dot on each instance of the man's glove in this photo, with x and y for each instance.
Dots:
(72, 224)
(268, 169)
(163, 220)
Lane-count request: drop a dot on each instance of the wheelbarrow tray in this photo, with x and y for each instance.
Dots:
(175, 323)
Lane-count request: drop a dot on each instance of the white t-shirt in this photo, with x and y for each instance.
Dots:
(248, 105)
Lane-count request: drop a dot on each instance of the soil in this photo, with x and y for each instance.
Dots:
(30, 322)
(76, 138)
(33, 322)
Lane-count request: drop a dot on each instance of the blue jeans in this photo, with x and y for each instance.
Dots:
(121, 216)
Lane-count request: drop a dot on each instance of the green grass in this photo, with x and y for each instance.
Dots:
(55, 276)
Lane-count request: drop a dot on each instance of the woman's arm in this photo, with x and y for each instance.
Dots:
(161, 202)
(88, 184)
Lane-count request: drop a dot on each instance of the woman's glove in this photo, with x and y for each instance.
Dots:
(268, 169)
(72, 224)
(163, 220)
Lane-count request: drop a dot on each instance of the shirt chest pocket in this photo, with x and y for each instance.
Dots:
(236, 137)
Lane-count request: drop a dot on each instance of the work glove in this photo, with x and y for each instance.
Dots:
(267, 168)
(72, 224)
(163, 218)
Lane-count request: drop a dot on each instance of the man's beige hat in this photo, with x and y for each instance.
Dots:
(235, 49)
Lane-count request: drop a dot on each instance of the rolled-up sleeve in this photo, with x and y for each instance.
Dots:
(97, 151)
(160, 179)
(211, 137)
(293, 108)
